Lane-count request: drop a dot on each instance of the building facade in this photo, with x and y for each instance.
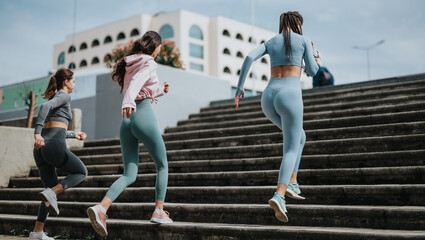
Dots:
(210, 46)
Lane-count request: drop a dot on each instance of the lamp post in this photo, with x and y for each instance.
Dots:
(367, 53)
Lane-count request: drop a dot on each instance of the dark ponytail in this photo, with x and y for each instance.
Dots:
(294, 22)
(146, 44)
(56, 82)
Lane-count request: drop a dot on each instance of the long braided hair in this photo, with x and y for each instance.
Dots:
(290, 21)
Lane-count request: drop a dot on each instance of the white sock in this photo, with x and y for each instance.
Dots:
(37, 233)
(159, 211)
(102, 209)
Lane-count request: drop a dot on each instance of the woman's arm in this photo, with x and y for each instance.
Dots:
(311, 66)
(136, 84)
(255, 54)
(56, 101)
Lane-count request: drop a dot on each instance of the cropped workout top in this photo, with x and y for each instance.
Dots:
(301, 49)
(57, 108)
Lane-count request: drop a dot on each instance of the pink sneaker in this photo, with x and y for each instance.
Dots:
(98, 220)
(161, 218)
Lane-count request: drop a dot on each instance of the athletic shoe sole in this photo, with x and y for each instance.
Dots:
(95, 222)
(293, 195)
(158, 220)
(279, 212)
(52, 210)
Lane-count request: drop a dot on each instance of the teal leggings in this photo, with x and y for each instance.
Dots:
(141, 126)
(282, 103)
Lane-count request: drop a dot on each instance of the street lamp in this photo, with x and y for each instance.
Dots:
(367, 53)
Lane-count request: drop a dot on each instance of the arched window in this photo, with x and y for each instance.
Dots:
(134, 32)
(239, 36)
(108, 39)
(61, 58)
(196, 32)
(251, 40)
(108, 57)
(239, 55)
(263, 41)
(263, 60)
(226, 51)
(83, 46)
(166, 31)
(71, 49)
(120, 36)
(227, 70)
(226, 33)
(251, 75)
(239, 72)
(264, 78)
(95, 43)
(71, 66)
(94, 61)
(83, 63)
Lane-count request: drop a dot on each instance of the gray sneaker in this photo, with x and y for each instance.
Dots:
(49, 198)
(39, 236)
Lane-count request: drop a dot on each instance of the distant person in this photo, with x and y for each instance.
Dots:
(282, 102)
(323, 77)
(50, 151)
(136, 75)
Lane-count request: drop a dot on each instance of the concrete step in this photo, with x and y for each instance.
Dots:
(268, 134)
(235, 127)
(379, 195)
(381, 217)
(356, 111)
(133, 229)
(312, 134)
(383, 118)
(315, 107)
(380, 175)
(340, 90)
(262, 149)
(327, 98)
(359, 160)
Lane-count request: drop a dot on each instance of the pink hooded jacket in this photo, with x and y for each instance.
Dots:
(140, 80)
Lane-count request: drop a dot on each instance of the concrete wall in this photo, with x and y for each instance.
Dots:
(188, 93)
(16, 152)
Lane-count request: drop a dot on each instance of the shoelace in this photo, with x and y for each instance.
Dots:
(168, 214)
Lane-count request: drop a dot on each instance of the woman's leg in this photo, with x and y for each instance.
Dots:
(130, 157)
(288, 103)
(145, 128)
(49, 178)
(76, 168)
(297, 163)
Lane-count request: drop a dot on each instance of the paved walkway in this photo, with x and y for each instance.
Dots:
(4, 237)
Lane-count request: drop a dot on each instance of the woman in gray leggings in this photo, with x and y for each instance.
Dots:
(50, 151)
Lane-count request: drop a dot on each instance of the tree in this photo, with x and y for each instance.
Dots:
(169, 54)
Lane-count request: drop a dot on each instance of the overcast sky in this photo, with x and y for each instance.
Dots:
(30, 28)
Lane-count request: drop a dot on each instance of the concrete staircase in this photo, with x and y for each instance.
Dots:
(362, 171)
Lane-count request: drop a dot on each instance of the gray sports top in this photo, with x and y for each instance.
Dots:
(57, 108)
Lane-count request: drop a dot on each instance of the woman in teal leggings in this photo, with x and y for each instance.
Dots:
(136, 74)
(281, 101)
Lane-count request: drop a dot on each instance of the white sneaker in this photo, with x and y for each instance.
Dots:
(39, 236)
(49, 198)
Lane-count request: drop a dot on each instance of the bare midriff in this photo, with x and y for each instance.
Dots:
(52, 124)
(285, 71)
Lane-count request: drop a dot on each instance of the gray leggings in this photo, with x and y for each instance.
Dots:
(55, 155)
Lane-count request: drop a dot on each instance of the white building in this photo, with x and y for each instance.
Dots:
(212, 46)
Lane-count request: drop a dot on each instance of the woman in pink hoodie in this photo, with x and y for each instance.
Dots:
(136, 74)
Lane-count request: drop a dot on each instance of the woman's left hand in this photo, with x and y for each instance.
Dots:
(237, 98)
(80, 136)
(166, 86)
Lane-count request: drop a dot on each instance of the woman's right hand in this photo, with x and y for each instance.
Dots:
(126, 112)
(39, 141)
(237, 98)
